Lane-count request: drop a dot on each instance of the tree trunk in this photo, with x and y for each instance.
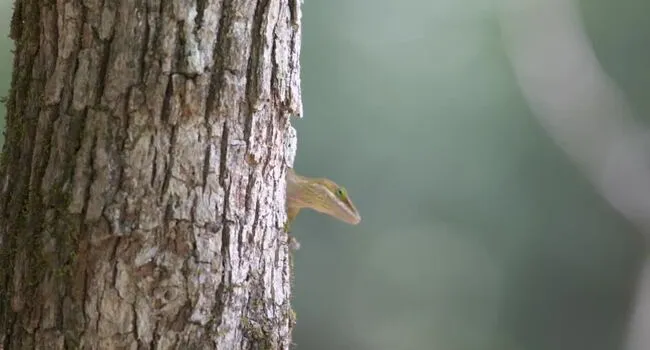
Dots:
(142, 178)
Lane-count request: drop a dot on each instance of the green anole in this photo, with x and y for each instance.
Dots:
(319, 194)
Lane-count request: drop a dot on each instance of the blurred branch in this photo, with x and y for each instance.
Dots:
(587, 115)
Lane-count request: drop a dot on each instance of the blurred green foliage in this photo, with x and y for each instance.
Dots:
(477, 232)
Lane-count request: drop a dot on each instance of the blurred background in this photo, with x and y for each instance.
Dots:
(478, 231)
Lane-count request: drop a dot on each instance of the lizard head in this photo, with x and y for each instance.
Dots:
(335, 202)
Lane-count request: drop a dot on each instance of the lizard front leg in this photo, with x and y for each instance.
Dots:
(292, 212)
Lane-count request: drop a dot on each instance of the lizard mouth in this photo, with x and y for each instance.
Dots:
(355, 220)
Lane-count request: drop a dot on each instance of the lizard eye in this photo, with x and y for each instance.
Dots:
(340, 192)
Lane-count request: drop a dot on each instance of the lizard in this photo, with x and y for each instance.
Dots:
(319, 194)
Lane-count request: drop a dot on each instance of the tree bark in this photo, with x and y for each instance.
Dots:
(142, 188)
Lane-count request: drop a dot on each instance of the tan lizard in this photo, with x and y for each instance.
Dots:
(319, 194)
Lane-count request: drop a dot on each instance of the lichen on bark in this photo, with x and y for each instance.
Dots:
(142, 177)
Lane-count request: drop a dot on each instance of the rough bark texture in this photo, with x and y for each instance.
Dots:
(142, 178)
